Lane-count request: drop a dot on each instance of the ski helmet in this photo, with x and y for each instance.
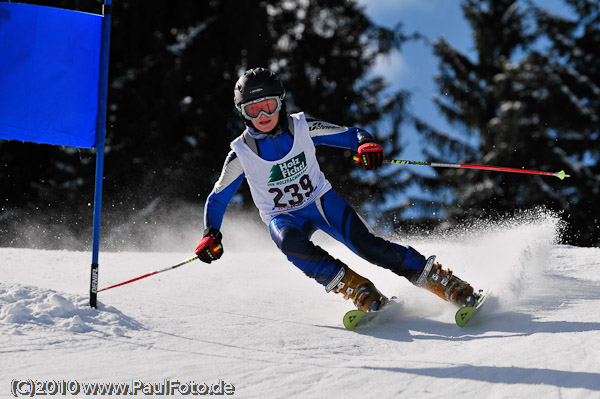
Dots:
(254, 84)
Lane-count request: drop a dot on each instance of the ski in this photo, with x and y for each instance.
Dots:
(464, 314)
(355, 318)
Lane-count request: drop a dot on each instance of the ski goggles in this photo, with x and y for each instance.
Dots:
(269, 106)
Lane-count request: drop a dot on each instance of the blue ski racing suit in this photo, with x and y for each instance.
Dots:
(295, 199)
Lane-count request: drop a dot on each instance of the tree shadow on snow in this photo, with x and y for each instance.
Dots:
(506, 375)
(502, 324)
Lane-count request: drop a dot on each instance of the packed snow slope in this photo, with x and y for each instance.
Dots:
(254, 321)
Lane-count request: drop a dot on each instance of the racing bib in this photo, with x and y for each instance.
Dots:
(289, 183)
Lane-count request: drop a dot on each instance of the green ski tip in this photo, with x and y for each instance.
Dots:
(352, 318)
(561, 175)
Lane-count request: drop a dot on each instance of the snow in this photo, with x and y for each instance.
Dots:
(254, 321)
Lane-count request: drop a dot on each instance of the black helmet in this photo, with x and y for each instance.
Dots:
(257, 83)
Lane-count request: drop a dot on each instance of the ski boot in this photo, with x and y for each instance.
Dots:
(354, 286)
(443, 283)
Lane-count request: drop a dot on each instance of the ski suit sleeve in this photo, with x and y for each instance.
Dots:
(218, 200)
(325, 133)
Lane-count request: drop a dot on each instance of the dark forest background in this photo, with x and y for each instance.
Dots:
(530, 99)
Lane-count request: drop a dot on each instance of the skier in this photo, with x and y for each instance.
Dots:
(276, 154)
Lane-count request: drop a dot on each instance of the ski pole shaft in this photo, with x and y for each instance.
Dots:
(150, 274)
(561, 175)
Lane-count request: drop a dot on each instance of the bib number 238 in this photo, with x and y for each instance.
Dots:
(292, 194)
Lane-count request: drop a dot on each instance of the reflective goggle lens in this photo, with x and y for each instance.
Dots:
(269, 106)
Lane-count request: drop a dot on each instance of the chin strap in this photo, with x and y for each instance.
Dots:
(251, 135)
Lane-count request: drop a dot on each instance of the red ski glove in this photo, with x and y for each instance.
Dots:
(369, 155)
(210, 247)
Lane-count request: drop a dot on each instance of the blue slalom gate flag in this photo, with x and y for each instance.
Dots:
(53, 85)
(49, 71)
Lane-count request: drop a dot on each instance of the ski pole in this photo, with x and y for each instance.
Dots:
(561, 175)
(150, 274)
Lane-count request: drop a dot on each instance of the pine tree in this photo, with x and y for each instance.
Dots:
(469, 100)
(570, 102)
(523, 106)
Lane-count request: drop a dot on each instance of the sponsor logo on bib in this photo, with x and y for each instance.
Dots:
(288, 171)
